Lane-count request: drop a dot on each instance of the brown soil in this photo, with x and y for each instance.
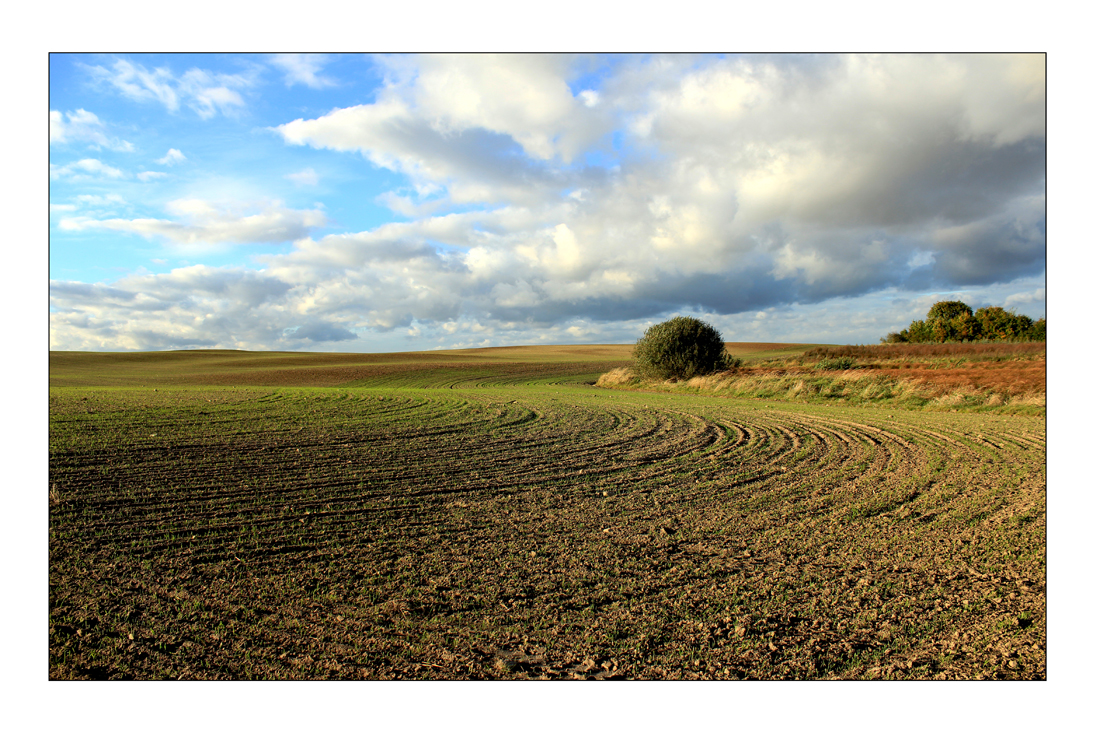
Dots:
(565, 533)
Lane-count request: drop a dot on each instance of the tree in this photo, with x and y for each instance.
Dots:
(966, 327)
(998, 323)
(947, 310)
(680, 348)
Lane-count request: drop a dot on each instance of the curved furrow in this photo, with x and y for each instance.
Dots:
(353, 521)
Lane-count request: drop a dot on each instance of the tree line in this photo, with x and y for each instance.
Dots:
(953, 320)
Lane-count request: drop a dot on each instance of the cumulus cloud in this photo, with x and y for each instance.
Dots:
(771, 181)
(204, 92)
(203, 223)
(83, 126)
(303, 68)
(146, 176)
(172, 157)
(523, 96)
(479, 127)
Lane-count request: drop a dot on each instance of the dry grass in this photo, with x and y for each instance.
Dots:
(619, 377)
(1002, 377)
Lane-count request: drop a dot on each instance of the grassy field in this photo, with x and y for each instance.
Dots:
(492, 514)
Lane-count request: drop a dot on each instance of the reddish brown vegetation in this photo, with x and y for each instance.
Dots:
(1011, 369)
(925, 351)
(1010, 378)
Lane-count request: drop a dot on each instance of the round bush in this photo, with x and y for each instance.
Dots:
(680, 348)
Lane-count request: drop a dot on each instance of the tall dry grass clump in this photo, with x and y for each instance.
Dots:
(621, 377)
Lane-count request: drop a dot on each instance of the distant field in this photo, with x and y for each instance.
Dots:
(241, 368)
(491, 514)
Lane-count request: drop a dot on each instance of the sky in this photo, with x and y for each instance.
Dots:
(398, 202)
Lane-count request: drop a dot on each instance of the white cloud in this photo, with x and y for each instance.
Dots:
(205, 92)
(307, 177)
(136, 82)
(524, 96)
(209, 94)
(453, 124)
(146, 176)
(205, 224)
(83, 126)
(303, 68)
(172, 157)
(1028, 300)
(84, 169)
(97, 200)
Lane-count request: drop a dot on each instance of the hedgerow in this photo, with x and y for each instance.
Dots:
(954, 321)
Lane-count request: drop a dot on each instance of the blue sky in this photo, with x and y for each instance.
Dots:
(404, 202)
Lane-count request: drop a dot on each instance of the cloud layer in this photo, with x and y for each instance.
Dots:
(580, 198)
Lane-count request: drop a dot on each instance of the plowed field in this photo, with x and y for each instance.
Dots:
(516, 522)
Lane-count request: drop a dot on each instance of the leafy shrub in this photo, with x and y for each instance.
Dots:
(837, 364)
(680, 348)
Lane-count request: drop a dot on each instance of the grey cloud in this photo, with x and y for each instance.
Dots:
(992, 251)
(88, 292)
(319, 331)
(949, 180)
(153, 340)
(245, 288)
